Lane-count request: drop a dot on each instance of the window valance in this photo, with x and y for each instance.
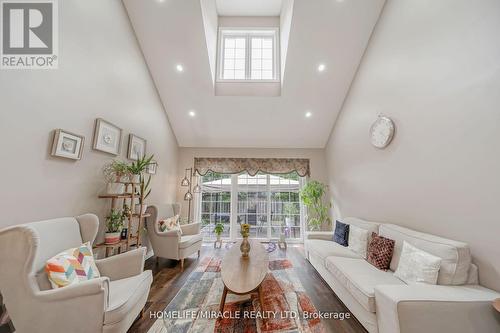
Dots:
(202, 165)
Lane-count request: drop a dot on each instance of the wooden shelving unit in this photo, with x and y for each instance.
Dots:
(133, 219)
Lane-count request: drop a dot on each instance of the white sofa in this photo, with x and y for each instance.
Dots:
(383, 303)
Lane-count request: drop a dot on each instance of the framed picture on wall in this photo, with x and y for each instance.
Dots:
(68, 145)
(136, 147)
(151, 168)
(107, 137)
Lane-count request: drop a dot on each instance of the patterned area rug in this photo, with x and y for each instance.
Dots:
(195, 308)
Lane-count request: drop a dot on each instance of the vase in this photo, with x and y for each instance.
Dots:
(245, 247)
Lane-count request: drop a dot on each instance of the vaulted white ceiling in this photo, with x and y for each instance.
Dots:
(331, 32)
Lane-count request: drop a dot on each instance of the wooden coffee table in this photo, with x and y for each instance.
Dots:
(243, 276)
(496, 304)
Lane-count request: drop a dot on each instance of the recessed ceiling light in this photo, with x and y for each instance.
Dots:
(192, 113)
(308, 114)
(179, 68)
(321, 67)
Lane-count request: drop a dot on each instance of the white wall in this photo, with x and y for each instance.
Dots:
(434, 67)
(186, 160)
(101, 74)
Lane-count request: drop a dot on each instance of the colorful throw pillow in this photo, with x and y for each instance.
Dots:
(170, 224)
(380, 251)
(341, 234)
(358, 240)
(417, 266)
(72, 266)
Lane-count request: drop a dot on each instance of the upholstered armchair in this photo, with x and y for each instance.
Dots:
(172, 244)
(107, 304)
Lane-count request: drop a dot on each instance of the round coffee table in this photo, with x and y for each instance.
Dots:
(244, 275)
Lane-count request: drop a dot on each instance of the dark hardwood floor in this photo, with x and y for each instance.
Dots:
(168, 279)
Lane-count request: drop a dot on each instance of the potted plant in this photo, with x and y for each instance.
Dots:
(143, 193)
(115, 173)
(312, 197)
(219, 229)
(137, 167)
(114, 225)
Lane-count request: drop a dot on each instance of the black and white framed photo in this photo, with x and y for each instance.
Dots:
(68, 145)
(107, 137)
(136, 147)
(151, 168)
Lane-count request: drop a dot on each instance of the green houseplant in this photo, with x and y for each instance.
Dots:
(115, 173)
(137, 167)
(219, 229)
(312, 197)
(114, 225)
(143, 193)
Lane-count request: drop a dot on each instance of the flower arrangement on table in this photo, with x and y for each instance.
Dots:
(245, 230)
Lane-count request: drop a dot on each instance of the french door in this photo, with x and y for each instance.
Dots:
(268, 203)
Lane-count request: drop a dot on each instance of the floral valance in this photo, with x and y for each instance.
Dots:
(202, 165)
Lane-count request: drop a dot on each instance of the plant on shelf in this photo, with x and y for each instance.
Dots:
(114, 225)
(143, 193)
(312, 197)
(115, 173)
(137, 167)
(219, 229)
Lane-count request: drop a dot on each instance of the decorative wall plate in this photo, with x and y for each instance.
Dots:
(382, 132)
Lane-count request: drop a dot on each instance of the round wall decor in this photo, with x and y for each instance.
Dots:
(382, 132)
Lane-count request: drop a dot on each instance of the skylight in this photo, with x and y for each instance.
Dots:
(248, 55)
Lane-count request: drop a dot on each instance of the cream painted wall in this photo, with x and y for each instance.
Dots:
(102, 74)
(187, 155)
(434, 67)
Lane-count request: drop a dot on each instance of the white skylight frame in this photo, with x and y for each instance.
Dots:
(248, 33)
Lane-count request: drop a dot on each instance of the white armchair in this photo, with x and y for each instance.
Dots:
(107, 304)
(171, 244)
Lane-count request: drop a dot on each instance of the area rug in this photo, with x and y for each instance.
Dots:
(195, 309)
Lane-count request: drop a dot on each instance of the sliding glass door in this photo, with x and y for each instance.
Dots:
(269, 203)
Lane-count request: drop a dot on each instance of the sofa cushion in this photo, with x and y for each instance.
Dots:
(72, 266)
(417, 266)
(124, 295)
(188, 240)
(358, 240)
(360, 278)
(341, 234)
(324, 248)
(380, 252)
(455, 256)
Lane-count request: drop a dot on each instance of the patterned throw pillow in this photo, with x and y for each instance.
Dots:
(341, 234)
(72, 266)
(169, 224)
(380, 251)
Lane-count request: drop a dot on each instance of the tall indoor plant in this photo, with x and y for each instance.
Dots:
(143, 194)
(312, 197)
